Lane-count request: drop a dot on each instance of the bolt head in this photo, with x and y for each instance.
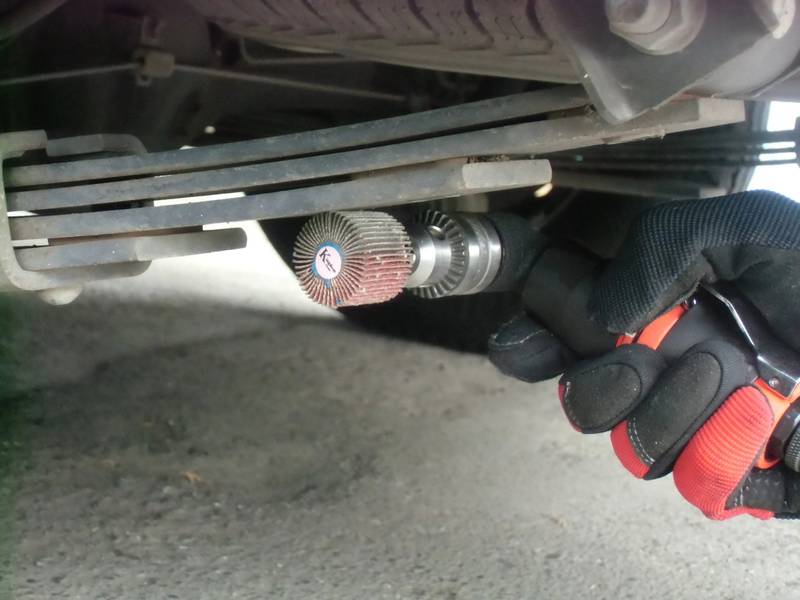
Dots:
(776, 15)
(665, 26)
(637, 16)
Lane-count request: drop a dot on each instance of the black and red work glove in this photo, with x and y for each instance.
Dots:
(699, 415)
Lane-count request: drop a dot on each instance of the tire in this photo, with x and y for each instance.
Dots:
(482, 37)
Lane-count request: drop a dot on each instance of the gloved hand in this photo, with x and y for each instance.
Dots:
(698, 416)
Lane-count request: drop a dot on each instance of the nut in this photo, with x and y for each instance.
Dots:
(656, 26)
(777, 15)
(636, 16)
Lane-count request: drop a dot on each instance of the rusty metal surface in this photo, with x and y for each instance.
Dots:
(368, 133)
(129, 249)
(392, 187)
(360, 177)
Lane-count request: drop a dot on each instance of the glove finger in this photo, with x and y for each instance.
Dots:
(526, 350)
(597, 394)
(712, 472)
(649, 441)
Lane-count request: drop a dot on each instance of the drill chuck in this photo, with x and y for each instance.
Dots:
(454, 254)
(365, 257)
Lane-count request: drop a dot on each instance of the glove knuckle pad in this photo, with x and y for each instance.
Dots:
(598, 394)
(526, 350)
(683, 399)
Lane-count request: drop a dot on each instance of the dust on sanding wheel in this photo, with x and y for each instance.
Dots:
(351, 258)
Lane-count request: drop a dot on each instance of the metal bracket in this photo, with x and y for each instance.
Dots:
(777, 364)
(734, 51)
(12, 275)
(59, 270)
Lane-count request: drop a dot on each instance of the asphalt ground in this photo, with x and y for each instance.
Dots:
(203, 432)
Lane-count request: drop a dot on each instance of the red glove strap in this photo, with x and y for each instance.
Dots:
(626, 453)
(721, 454)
